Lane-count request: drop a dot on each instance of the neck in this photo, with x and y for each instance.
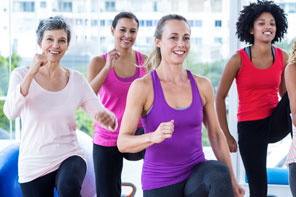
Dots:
(51, 68)
(124, 51)
(261, 49)
(170, 72)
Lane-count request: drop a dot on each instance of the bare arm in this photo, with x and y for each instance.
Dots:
(230, 71)
(290, 78)
(99, 68)
(136, 101)
(282, 88)
(216, 136)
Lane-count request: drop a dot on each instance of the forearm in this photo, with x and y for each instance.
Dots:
(26, 83)
(133, 143)
(221, 151)
(221, 112)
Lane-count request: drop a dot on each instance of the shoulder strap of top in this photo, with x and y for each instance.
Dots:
(139, 58)
(194, 88)
(248, 51)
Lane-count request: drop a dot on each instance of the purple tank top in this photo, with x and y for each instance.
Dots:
(173, 160)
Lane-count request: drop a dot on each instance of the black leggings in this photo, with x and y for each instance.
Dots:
(253, 139)
(108, 163)
(208, 179)
(67, 180)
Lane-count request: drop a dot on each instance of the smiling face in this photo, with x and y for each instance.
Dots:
(175, 41)
(264, 28)
(125, 32)
(54, 44)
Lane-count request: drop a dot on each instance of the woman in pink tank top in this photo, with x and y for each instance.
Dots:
(258, 70)
(173, 103)
(110, 76)
(290, 76)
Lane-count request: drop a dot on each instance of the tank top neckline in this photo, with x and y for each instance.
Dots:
(159, 90)
(260, 69)
(135, 75)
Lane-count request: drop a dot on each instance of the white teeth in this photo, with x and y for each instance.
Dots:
(54, 52)
(179, 52)
(267, 32)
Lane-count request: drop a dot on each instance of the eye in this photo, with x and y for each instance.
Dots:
(50, 39)
(186, 38)
(133, 31)
(173, 38)
(62, 41)
(122, 30)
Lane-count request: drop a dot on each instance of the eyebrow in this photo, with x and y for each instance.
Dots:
(127, 28)
(177, 34)
(58, 38)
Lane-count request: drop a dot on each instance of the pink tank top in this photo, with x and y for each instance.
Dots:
(113, 95)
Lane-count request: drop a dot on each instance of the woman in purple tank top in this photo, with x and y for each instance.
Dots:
(173, 103)
(110, 76)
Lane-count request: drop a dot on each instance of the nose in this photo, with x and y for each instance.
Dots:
(181, 43)
(127, 34)
(56, 44)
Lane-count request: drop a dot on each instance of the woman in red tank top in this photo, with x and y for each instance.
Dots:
(258, 70)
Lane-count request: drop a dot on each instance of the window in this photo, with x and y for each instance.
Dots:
(67, 7)
(102, 23)
(24, 6)
(42, 4)
(110, 6)
(142, 23)
(196, 41)
(149, 23)
(218, 40)
(94, 23)
(218, 23)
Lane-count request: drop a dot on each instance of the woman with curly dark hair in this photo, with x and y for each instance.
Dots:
(258, 70)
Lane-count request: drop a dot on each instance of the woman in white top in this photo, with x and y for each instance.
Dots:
(46, 95)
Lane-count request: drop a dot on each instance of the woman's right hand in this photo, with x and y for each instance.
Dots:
(231, 143)
(163, 131)
(111, 57)
(39, 60)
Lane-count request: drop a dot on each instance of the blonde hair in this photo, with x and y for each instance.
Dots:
(154, 58)
(292, 58)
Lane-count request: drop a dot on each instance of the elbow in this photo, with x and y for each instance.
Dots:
(120, 145)
(8, 113)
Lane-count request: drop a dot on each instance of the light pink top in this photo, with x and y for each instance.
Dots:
(113, 94)
(291, 158)
(48, 134)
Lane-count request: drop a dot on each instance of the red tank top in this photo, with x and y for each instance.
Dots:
(258, 88)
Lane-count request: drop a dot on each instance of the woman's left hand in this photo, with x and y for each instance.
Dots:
(106, 120)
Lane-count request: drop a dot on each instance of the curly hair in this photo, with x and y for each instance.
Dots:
(251, 12)
(292, 58)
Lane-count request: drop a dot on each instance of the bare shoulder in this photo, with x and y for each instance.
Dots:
(291, 67)
(202, 82)
(143, 84)
(97, 63)
(234, 62)
(285, 57)
(205, 88)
